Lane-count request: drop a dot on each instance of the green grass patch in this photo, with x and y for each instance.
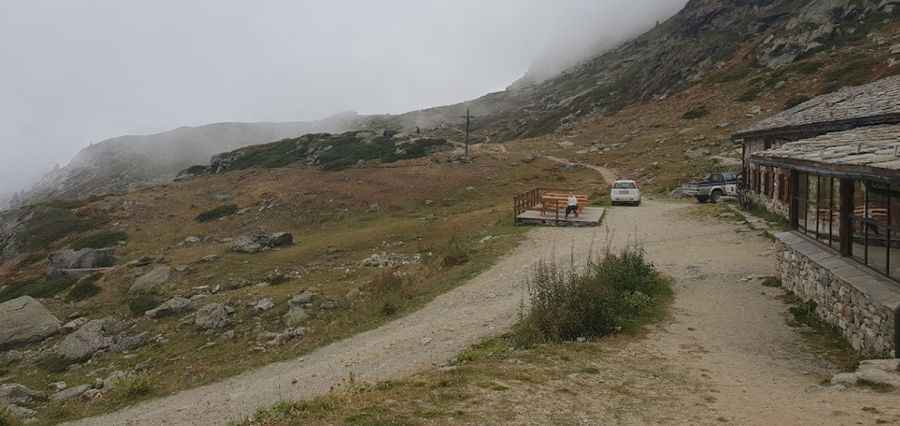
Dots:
(39, 288)
(85, 288)
(620, 292)
(50, 224)
(54, 363)
(217, 213)
(99, 240)
(822, 337)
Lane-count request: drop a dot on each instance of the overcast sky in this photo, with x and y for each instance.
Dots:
(77, 72)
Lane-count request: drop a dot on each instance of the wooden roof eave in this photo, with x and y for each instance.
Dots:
(849, 171)
(819, 128)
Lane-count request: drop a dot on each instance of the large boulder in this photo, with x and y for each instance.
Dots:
(148, 282)
(25, 320)
(87, 258)
(98, 335)
(174, 306)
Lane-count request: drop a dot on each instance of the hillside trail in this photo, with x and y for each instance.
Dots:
(609, 175)
(727, 343)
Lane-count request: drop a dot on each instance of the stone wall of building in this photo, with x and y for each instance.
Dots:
(860, 305)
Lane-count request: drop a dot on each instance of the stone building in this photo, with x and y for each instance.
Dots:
(849, 108)
(832, 167)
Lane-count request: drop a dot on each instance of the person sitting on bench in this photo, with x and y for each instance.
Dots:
(572, 206)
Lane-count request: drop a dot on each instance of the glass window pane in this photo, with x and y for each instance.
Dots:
(876, 229)
(801, 202)
(894, 232)
(812, 215)
(824, 210)
(858, 223)
(835, 225)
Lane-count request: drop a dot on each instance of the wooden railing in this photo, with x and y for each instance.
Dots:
(531, 199)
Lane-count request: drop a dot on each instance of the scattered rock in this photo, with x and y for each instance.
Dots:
(210, 258)
(192, 240)
(278, 339)
(116, 376)
(20, 413)
(212, 316)
(58, 386)
(295, 316)
(264, 304)
(305, 298)
(75, 324)
(70, 393)
(25, 320)
(157, 276)
(384, 260)
(16, 394)
(174, 306)
(255, 243)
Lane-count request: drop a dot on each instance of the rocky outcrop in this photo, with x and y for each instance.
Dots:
(70, 262)
(213, 316)
(25, 320)
(98, 335)
(174, 306)
(16, 394)
(151, 280)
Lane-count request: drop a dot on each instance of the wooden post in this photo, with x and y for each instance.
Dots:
(468, 121)
(795, 202)
(846, 209)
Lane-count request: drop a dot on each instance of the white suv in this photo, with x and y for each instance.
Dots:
(625, 192)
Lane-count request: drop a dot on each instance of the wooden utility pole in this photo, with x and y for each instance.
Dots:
(468, 124)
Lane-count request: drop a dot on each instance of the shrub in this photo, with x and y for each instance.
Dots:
(217, 213)
(695, 113)
(457, 254)
(141, 303)
(99, 240)
(796, 100)
(619, 292)
(7, 419)
(135, 386)
(40, 288)
(807, 68)
(85, 288)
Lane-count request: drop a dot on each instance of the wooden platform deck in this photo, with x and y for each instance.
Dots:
(591, 216)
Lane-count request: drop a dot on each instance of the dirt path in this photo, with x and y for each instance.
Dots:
(728, 354)
(609, 175)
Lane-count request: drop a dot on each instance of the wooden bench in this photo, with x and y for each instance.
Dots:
(554, 201)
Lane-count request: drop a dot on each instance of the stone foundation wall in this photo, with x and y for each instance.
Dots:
(846, 297)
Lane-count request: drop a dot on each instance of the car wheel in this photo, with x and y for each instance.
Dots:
(702, 199)
(715, 196)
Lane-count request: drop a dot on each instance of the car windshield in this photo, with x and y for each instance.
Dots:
(624, 185)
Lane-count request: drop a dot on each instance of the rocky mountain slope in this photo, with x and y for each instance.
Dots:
(705, 39)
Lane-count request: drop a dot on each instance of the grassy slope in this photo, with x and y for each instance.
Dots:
(338, 219)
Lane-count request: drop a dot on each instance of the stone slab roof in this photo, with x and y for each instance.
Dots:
(874, 146)
(871, 100)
